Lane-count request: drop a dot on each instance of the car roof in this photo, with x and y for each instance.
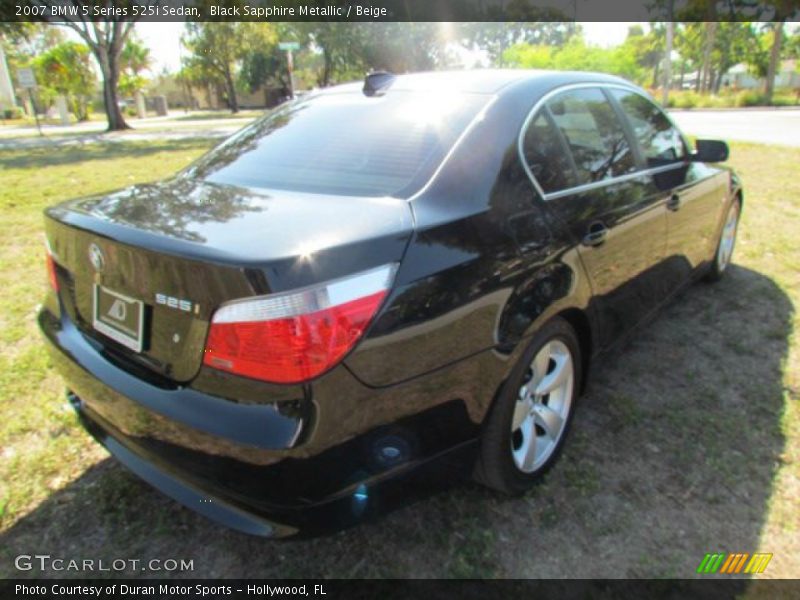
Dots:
(481, 81)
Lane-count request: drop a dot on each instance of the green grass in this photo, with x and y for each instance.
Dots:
(41, 448)
(688, 440)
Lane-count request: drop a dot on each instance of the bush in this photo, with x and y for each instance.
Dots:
(15, 112)
(749, 98)
(684, 99)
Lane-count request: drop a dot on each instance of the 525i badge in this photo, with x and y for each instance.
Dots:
(172, 302)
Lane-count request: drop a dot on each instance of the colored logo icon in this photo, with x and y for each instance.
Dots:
(731, 564)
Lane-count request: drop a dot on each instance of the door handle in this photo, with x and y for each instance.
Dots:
(596, 236)
(674, 202)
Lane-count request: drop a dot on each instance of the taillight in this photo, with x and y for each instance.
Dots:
(293, 337)
(51, 269)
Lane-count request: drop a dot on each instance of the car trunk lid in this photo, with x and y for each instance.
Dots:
(171, 253)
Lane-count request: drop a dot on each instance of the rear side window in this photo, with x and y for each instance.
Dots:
(661, 143)
(593, 133)
(345, 144)
(546, 155)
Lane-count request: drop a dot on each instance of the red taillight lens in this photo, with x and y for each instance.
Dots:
(290, 338)
(51, 271)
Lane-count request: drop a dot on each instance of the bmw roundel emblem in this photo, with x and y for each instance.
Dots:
(96, 257)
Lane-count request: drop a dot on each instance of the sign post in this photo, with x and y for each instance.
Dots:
(27, 81)
(288, 47)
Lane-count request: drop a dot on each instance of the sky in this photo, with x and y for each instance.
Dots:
(163, 39)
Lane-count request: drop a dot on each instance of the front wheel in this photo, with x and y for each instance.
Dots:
(526, 427)
(727, 241)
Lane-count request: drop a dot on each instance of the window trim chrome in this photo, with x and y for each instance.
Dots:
(585, 187)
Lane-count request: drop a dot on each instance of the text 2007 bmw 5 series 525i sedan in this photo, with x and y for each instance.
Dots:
(377, 284)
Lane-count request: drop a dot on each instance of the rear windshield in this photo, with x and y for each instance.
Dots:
(345, 144)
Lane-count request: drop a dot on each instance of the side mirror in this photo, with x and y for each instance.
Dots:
(712, 151)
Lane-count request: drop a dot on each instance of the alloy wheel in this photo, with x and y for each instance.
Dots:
(542, 406)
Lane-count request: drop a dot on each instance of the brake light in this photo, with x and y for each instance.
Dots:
(293, 337)
(51, 270)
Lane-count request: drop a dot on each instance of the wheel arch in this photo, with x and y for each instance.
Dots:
(580, 323)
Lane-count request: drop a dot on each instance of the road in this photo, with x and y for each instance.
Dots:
(764, 126)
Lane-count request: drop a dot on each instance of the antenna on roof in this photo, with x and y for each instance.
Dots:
(377, 82)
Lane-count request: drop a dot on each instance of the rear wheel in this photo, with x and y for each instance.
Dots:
(727, 241)
(527, 426)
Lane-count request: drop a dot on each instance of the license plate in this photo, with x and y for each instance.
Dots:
(119, 317)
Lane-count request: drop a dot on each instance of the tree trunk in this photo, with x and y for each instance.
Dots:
(711, 33)
(109, 67)
(774, 60)
(656, 70)
(327, 68)
(667, 65)
(232, 100)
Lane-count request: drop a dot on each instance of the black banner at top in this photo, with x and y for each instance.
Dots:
(399, 10)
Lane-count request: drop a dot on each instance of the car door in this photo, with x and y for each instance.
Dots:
(694, 196)
(581, 156)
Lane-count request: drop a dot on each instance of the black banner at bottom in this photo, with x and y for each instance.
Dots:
(609, 589)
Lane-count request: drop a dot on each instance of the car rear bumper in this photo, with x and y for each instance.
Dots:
(255, 467)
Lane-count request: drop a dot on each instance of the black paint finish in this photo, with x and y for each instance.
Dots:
(484, 260)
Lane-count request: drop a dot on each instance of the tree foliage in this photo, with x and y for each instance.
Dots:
(66, 69)
(134, 60)
(106, 39)
(218, 50)
(496, 38)
(577, 55)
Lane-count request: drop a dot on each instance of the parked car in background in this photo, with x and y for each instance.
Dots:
(374, 280)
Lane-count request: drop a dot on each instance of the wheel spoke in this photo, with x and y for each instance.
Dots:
(540, 363)
(557, 377)
(528, 445)
(521, 411)
(548, 419)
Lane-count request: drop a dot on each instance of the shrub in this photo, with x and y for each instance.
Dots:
(684, 99)
(749, 98)
(15, 112)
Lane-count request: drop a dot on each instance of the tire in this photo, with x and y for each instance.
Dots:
(516, 449)
(726, 243)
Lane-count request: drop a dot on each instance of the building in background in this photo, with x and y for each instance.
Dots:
(7, 100)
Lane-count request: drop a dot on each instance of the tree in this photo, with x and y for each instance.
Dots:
(735, 43)
(341, 46)
(648, 48)
(66, 70)
(17, 33)
(774, 60)
(134, 59)
(265, 68)
(219, 48)
(576, 55)
(106, 40)
(496, 38)
(402, 47)
(23, 42)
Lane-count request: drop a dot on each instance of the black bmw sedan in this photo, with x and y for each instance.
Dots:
(377, 284)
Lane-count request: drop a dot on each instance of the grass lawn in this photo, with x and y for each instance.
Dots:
(687, 441)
